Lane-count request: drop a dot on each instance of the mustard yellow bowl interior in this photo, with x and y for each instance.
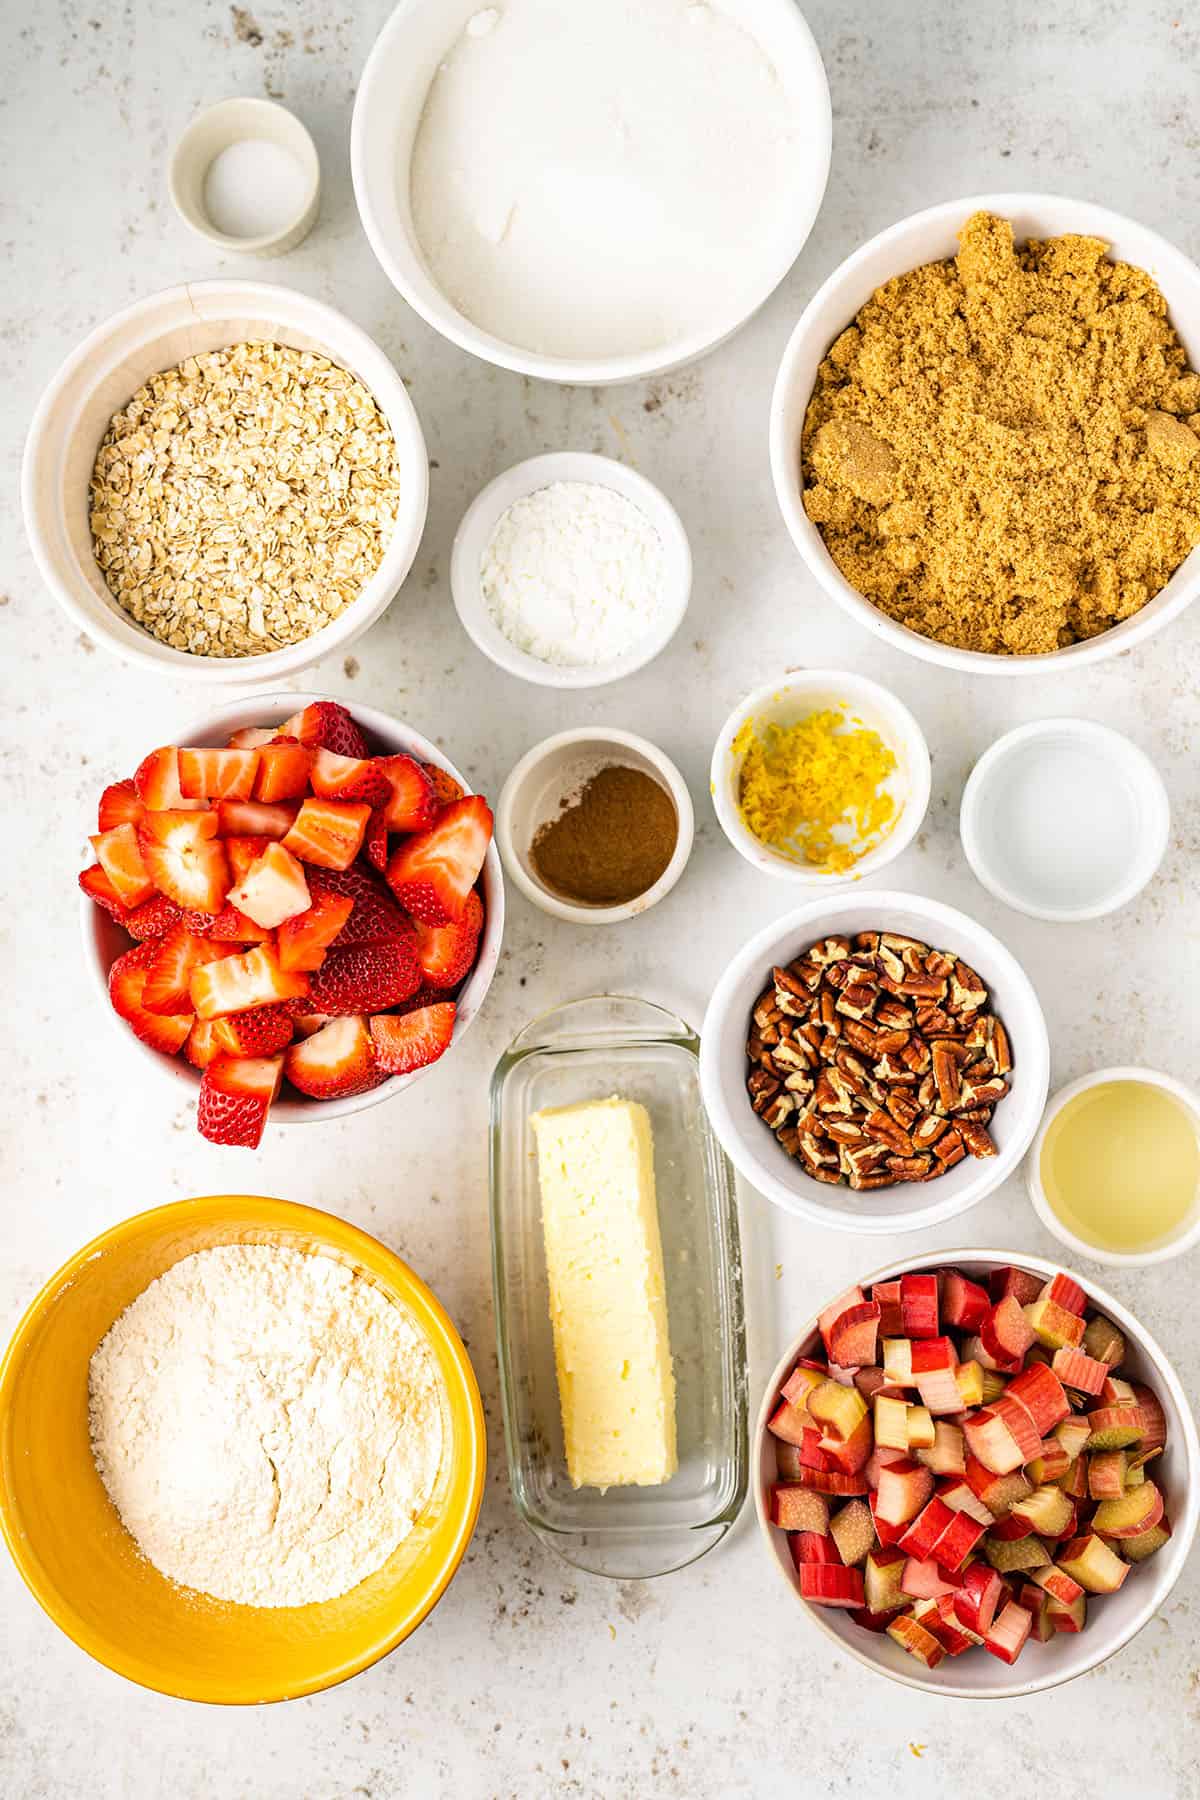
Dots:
(77, 1558)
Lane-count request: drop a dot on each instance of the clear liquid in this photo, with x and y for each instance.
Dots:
(1121, 1166)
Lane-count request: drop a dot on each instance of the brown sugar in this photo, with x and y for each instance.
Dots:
(1001, 451)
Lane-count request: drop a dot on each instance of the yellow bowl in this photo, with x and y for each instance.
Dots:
(80, 1563)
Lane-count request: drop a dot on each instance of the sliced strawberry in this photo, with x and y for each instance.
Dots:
(260, 1032)
(283, 767)
(307, 1023)
(251, 737)
(304, 939)
(411, 1040)
(432, 875)
(235, 1097)
(119, 805)
(202, 1046)
(236, 983)
(243, 853)
(411, 804)
(446, 952)
(273, 889)
(170, 973)
(126, 985)
(445, 789)
(327, 726)
(334, 1062)
(157, 783)
(366, 978)
(375, 918)
(160, 915)
(375, 844)
(335, 777)
(232, 927)
(217, 774)
(254, 818)
(120, 857)
(185, 859)
(328, 833)
(98, 887)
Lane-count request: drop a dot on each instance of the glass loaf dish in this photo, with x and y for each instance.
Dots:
(590, 1050)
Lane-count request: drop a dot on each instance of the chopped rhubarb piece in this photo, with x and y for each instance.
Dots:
(235, 1097)
(923, 1579)
(800, 1384)
(1056, 1326)
(850, 1454)
(1040, 1392)
(997, 1491)
(328, 833)
(882, 1573)
(337, 1061)
(834, 1481)
(283, 767)
(119, 855)
(1037, 1605)
(964, 1304)
(788, 1423)
(1137, 1510)
(1021, 1424)
(1014, 1525)
(237, 983)
(432, 874)
(813, 1547)
(933, 1353)
(1114, 1427)
(852, 1297)
(1022, 1285)
(273, 889)
(254, 818)
(1070, 1618)
(1064, 1290)
(1006, 1638)
(1102, 1340)
(991, 1441)
(939, 1391)
(217, 774)
(958, 1540)
(1049, 1464)
(1048, 1510)
(1011, 1555)
(853, 1531)
(1106, 1472)
(904, 1488)
(1137, 1549)
(185, 858)
(1091, 1562)
(830, 1584)
(978, 1596)
(891, 1319)
(1154, 1419)
(838, 1410)
(853, 1334)
(1006, 1334)
(796, 1508)
(1076, 1369)
(304, 939)
(919, 1642)
(891, 1422)
(961, 1498)
(919, 1305)
(925, 1530)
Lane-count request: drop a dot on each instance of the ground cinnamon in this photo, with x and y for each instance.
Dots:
(611, 841)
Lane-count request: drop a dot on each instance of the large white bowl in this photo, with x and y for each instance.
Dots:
(104, 940)
(752, 1148)
(932, 236)
(1113, 1619)
(104, 373)
(387, 112)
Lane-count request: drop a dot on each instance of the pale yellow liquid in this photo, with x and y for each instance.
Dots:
(1121, 1166)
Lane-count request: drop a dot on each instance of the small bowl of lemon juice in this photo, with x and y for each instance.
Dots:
(1114, 1171)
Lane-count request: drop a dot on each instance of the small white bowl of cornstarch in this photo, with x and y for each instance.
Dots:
(571, 570)
(225, 482)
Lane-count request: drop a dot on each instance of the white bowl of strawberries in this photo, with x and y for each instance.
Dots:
(296, 910)
(982, 1475)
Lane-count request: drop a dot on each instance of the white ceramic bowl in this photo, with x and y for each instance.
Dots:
(387, 112)
(1113, 1619)
(103, 374)
(215, 129)
(1185, 1239)
(752, 1148)
(104, 940)
(1032, 853)
(531, 795)
(793, 697)
(932, 236)
(483, 515)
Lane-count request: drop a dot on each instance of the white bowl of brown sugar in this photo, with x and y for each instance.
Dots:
(995, 464)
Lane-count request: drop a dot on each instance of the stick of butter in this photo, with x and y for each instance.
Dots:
(608, 1302)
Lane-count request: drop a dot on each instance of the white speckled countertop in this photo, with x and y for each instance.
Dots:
(529, 1680)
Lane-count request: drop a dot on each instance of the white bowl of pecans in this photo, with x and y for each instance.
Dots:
(875, 1061)
(225, 482)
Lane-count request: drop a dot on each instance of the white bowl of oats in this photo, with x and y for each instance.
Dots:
(225, 482)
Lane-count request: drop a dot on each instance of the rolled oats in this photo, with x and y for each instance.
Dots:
(243, 498)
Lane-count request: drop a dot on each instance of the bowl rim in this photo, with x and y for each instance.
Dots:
(553, 904)
(1154, 815)
(1153, 1352)
(178, 1070)
(525, 478)
(1187, 1097)
(754, 1169)
(1094, 220)
(395, 1277)
(593, 371)
(222, 295)
(913, 807)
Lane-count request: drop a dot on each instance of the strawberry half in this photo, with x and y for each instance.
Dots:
(254, 818)
(126, 985)
(185, 859)
(337, 777)
(283, 767)
(326, 726)
(328, 833)
(375, 844)
(251, 737)
(447, 952)
(217, 774)
(376, 917)
(260, 1032)
(231, 927)
(236, 983)
(243, 853)
(303, 941)
(119, 805)
(170, 971)
(365, 978)
(160, 915)
(412, 1040)
(157, 783)
(235, 1098)
(273, 889)
(335, 1062)
(202, 1046)
(410, 804)
(432, 875)
(445, 789)
(98, 887)
(120, 856)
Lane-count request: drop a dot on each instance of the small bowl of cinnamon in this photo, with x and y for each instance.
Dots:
(595, 826)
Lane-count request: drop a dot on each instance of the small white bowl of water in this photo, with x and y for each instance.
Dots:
(1064, 820)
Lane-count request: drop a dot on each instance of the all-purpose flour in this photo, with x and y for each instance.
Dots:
(597, 177)
(267, 1424)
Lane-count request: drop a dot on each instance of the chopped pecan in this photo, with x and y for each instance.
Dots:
(864, 1159)
(975, 1137)
(909, 1168)
(890, 964)
(893, 1016)
(983, 1094)
(938, 963)
(799, 1082)
(950, 1148)
(778, 1111)
(945, 1073)
(789, 1137)
(862, 1182)
(884, 1130)
(915, 1055)
(867, 940)
(998, 1048)
(856, 1002)
(967, 992)
(845, 1131)
(927, 1093)
(927, 1130)
(829, 1018)
(903, 1109)
(762, 1088)
(793, 1055)
(832, 1176)
(830, 949)
(862, 1037)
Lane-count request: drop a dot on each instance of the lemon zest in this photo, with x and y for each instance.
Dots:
(801, 782)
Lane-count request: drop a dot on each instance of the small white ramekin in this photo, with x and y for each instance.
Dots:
(1187, 1239)
(791, 698)
(103, 374)
(751, 1147)
(531, 796)
(932, 236)
(481, 519)
(216, 129)
(1126, 764)
(387, 111)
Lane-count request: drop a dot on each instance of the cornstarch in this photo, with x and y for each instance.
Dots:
(267, 1424)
